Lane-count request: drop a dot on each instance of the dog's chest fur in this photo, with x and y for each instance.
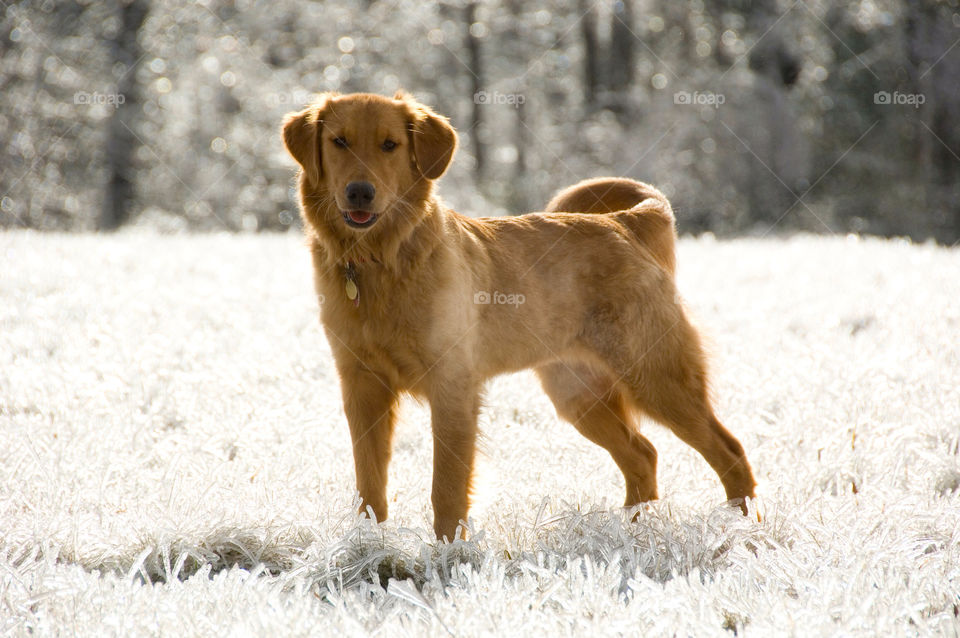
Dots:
(391, 325)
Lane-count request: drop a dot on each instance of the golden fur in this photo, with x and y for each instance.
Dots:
(446, 301)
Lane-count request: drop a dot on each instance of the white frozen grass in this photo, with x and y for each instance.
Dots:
(174, 459)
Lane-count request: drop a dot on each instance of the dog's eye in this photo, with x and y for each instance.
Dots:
(388, 145)
(339, 141)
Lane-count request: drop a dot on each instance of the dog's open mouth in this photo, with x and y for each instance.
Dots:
(359, 218)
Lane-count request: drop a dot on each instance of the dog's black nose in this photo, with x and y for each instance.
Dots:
(360, 194)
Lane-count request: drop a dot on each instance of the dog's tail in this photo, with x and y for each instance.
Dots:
(653, 223)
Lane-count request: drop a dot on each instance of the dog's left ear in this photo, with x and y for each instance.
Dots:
(434, 140)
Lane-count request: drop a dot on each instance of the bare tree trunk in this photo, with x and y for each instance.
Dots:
(521, 196)
(476, 74)
(121, 141)
(520, 191)
(591, 52)
(621, 46)
(936, 77)
(777, 141)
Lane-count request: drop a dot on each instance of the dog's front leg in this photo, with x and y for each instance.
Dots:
(454, 420)
(370, 405)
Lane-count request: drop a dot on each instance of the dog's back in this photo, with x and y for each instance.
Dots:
(652, 221)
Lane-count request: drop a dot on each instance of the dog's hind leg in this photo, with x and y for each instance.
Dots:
(667, 379)
(591, 400)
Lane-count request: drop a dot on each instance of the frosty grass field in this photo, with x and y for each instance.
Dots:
(174, 459)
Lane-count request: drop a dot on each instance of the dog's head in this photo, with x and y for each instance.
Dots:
(367, 158)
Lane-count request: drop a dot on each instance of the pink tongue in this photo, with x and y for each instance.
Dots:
(360, 216)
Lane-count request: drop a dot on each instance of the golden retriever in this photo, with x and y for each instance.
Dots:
(418, 299)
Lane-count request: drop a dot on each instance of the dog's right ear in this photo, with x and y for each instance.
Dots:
(301, 136)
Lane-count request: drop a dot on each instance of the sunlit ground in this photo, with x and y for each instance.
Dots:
(174, 458)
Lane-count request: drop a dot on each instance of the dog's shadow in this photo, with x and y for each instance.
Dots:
(559, 541)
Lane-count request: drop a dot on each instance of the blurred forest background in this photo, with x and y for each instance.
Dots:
(751, 116)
